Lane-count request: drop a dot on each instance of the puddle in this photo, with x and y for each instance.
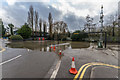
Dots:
(46, 45)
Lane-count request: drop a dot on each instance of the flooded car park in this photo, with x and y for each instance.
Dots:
(45, 45)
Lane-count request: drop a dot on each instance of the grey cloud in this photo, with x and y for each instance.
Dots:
(20, 14)
(84, 5)
(74, 22)
(43, 9)
(17, 13)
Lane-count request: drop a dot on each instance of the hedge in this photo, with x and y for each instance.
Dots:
(16, 37)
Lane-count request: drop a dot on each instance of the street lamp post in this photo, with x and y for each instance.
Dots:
(101, 21)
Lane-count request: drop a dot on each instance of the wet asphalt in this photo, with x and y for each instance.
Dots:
(104, 72)
(83, 56)
(36, 63)
(31, 63)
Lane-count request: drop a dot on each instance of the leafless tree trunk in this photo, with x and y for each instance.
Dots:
(40, 25)
(50, 20)
(36, 22)
(30, 18)
(44, 29)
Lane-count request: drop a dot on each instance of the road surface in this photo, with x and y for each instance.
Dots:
(28, 64)
(84, 56)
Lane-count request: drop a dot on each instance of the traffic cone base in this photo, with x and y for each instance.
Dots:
(73, 71)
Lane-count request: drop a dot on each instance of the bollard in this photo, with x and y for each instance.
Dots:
(43, 39)
(39, 39)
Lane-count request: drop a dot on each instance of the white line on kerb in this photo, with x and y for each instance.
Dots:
(10, 59)
(55, 71)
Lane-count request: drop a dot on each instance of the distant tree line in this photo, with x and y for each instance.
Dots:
(34, 19)
(110, 27)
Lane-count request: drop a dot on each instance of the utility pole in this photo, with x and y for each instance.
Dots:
(101, 21)
(101, 35)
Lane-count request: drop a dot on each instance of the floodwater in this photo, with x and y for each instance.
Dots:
(46, 45)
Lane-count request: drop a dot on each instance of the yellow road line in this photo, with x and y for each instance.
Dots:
(3, 49)
(102, 64)
(83, 72)
(76, 76)
(93, 63)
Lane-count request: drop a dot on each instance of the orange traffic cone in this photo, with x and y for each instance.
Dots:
(73, 70)
(60, 52)
(54, 47)
(51, 46)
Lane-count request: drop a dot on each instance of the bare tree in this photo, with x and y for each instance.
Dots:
(11, 28)
(36, 21)
(60, 29)
(115, 22)
(50, 20)
(44, 28)
(30, 18)
(89, 24)
(40, 25)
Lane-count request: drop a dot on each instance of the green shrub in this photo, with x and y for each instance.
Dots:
(79, 36)
(15, 37)
(25, 31)
(7, 35)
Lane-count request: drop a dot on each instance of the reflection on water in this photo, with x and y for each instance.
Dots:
(46, 45)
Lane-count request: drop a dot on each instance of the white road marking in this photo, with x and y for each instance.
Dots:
(55, 71)
(10, 59)
(60, 44)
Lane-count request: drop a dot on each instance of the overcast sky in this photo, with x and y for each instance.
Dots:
(73, 12)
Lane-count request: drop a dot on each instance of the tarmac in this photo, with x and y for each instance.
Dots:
(88, 55)
(25, 63)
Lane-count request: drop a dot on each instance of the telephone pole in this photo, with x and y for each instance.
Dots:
(100, 44)
(101, 21)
